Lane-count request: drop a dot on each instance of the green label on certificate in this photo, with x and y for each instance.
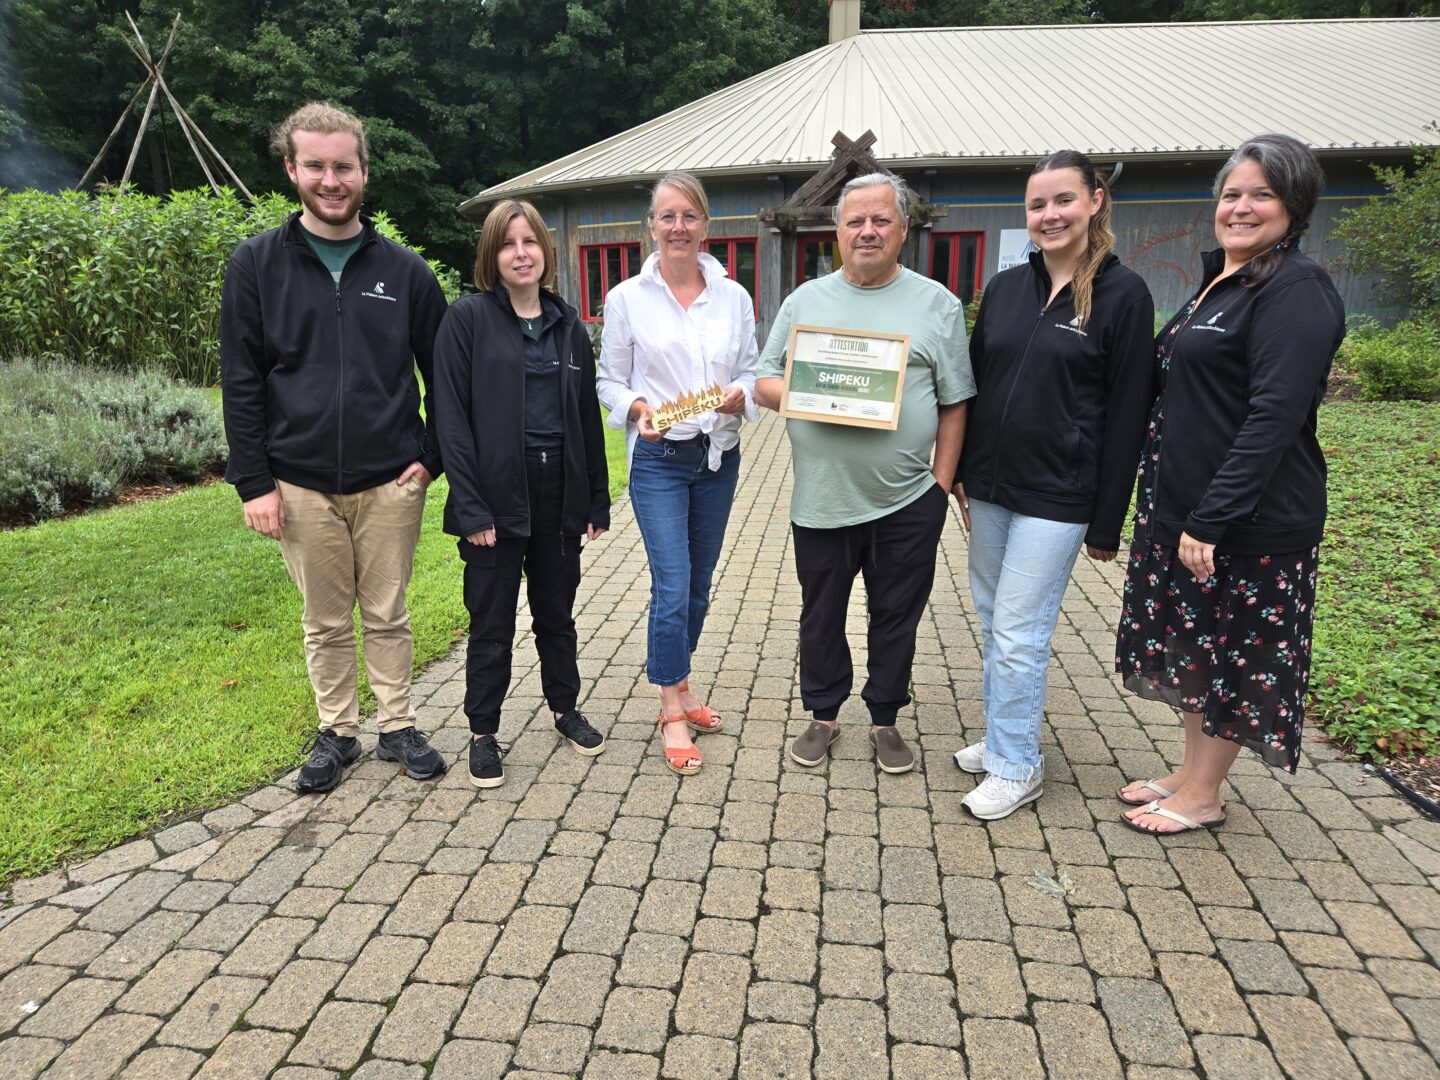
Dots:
(842, 376)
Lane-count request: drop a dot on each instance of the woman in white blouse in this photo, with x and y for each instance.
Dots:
(680, 325)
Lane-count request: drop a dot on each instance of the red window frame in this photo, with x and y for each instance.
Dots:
(632, 257)
(730, 243)
(804, 240)
(951, 280)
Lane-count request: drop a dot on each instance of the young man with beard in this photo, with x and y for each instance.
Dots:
(323, 323)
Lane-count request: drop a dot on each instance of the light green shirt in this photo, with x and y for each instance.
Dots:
(849, 475)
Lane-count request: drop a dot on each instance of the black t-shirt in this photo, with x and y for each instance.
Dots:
(544, 420)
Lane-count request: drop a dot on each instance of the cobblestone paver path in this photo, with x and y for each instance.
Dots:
(601, 918)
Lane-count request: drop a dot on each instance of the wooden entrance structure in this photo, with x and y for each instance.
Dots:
(810, 208)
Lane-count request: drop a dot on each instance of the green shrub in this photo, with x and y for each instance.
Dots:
(1396, 236)
(127, 281)
(71, 436)
(1397, 364)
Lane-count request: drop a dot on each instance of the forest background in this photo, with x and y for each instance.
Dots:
(457, 94)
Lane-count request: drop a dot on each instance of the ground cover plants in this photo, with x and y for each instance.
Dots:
(72, 437)
(1375, 680)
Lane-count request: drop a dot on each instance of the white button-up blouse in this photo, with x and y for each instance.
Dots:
(653, 348)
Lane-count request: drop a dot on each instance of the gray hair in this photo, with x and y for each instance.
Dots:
(1289, 167)
(904, 197)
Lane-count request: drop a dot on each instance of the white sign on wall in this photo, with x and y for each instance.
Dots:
(1015, 247)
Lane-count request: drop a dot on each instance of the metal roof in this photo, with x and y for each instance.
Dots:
(975, 93)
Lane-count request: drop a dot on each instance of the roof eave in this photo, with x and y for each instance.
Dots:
(473, 207)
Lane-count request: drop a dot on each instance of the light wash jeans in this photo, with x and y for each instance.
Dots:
(682, 509)
(1019, 567)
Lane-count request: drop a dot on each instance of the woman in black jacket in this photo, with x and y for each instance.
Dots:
(521, 439)
(1061, 352)
(1230, 505)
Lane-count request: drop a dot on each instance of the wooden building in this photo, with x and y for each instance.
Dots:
(963, 115)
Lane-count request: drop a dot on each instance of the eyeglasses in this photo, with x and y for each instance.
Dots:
(689, 219)
(345, 171)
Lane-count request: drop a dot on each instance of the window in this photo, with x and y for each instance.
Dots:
(602, 267)
(956, 260)
(738, 257)
(816, 254)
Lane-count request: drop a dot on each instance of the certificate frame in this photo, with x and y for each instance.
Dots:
(836, 359)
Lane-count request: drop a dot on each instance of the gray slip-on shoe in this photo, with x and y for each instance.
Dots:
(891, 753)
(812, 746)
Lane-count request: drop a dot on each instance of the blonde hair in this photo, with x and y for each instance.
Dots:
(688, 186)
(492, 239)
(324, 119)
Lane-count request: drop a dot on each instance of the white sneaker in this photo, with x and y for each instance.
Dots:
(996, 797)
(972, 758)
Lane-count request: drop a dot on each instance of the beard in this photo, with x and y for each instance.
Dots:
(332, 215)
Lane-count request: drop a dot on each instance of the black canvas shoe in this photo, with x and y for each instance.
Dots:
(579, 734)
(485, 768)
(329, 754)
(409, 748)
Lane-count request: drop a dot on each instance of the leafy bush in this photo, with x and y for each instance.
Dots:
(1396, 364)
(71, 436)
(1375, 679)
(1396, 236)
(127, 281)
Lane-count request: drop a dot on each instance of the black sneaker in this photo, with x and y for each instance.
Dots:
(485, 768)
(329, 754)
(408, 746)
(579, 734)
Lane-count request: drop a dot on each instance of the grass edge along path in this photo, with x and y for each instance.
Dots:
(151, 665)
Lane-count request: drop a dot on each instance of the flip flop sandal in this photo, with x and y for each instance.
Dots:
(684, 760)
(1160, 789)
(1186, 824)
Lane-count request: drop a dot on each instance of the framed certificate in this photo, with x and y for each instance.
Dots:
(840, 376)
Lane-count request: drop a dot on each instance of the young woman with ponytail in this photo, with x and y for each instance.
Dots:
(1230, 505)
(1062, 352)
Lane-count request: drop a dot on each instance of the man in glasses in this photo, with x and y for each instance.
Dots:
(323, 323)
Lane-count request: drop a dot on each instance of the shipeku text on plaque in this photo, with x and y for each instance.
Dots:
(841, 376)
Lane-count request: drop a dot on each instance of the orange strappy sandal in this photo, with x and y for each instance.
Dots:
(702, 720)
(683, 760)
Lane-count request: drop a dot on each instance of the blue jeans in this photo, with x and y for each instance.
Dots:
(682, 509)
(1019, 567)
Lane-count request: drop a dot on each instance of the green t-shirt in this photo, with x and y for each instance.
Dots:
(849, 475)
(333, 253)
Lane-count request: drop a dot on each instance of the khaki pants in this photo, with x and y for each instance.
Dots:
(344, 548)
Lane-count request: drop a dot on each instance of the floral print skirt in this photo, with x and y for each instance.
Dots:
(1235, 648)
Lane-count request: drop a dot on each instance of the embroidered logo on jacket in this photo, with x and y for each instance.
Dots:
(378, 293)
(1209, 324)
(1073, 326)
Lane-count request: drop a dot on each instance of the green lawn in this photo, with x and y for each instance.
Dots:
(151, 664)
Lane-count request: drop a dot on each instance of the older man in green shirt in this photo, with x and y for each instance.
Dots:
(869, 500)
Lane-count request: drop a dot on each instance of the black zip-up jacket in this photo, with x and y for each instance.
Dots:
(1059, 418)
(319, 379)
(1240, 465)
(480, 417)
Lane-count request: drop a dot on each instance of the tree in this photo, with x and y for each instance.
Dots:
(1396, 236)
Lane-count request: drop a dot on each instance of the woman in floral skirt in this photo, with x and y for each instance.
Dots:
(1230, 505)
